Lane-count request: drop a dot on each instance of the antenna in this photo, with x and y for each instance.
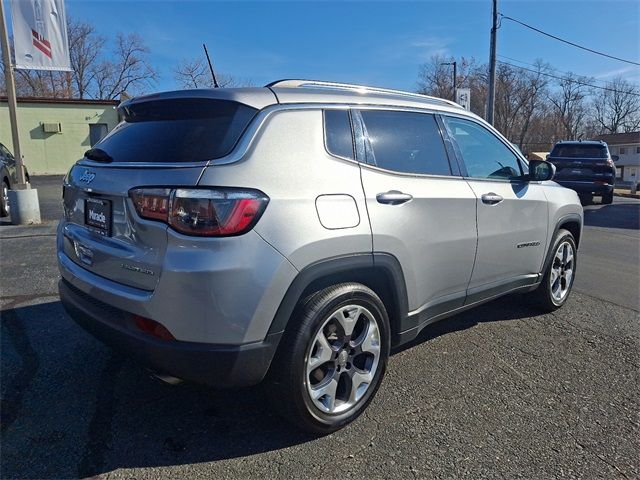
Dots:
(213, 75)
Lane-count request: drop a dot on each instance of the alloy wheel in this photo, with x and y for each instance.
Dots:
(343, 359)
(562, 270)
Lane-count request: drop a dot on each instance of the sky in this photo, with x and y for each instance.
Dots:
(374, 43)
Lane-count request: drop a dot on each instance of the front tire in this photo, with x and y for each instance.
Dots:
(331, 359)
(556, 284)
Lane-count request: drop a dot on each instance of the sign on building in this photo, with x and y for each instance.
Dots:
(40, 35)
(463, 98)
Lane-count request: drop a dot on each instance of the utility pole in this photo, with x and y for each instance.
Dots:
(491, 101)
(23, 200)
(455, 78)
(11, 98)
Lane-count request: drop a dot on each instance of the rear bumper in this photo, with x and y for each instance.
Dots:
(216, 365)
(585, 188)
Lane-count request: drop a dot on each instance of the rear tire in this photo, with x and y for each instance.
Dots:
(558, 278)
(331, 359)
(586, 199)
(607, 199)
(4, 201)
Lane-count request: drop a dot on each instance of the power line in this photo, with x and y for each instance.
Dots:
(569, 79)
(567, 41)
(555, 70)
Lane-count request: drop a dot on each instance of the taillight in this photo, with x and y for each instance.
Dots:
(214, 212)
(152, 203)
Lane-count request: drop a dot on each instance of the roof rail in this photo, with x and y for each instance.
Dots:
(294, 83)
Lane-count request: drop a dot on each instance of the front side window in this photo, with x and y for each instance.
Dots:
(406, 142)
(484, 155)
(337, 127)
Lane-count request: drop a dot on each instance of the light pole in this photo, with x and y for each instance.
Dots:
(455, 78)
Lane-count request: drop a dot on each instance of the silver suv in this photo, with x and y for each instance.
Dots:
(295, 233)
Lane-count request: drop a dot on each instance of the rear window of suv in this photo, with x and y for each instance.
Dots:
(579, 151)
(177, 130)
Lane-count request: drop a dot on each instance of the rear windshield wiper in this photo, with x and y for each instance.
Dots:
(98, 155)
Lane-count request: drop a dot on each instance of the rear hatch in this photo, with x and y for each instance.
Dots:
(161, 142)
(582, 163)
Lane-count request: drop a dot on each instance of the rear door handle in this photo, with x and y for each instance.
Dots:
(491, 198)
(393, 197)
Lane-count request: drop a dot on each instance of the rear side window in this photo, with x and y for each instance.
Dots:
(337, 127)
(579, 151)
(177, 130)
(406, 142)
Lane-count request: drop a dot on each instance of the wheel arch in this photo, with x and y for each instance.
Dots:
(379, 271)
(571, 222)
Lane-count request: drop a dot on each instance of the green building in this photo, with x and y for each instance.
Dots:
(55, 133)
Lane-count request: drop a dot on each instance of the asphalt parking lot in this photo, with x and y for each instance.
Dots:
(498, 392)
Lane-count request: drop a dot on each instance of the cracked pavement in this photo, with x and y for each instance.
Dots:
(497, 392)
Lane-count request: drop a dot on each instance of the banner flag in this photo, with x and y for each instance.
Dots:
(40, 35)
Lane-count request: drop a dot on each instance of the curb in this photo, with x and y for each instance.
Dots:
(45, 229)
(627, 195)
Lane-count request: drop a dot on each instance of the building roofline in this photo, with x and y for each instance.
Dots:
(64, 101)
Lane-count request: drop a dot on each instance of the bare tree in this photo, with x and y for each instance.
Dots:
(129, 68)
(570, 105)
(618, 108)
(195, 73)
(85, 47)
(94, 74)
(436, 78)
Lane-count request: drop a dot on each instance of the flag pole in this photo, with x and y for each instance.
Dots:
(23, 203)
(11, 99)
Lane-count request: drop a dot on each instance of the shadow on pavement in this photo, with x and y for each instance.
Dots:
(511, 307)
(616, 215)
(72, 407)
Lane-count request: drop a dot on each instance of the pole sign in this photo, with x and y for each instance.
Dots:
(463, 98)
(40, 35)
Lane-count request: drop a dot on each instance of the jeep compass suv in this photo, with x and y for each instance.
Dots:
(586, 167)
(295, 233)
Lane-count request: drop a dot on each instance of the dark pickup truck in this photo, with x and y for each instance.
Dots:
(586, 167)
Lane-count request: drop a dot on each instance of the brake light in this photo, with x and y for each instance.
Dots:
(151, 203)
(215, 212)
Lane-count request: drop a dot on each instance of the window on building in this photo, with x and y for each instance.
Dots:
(623, 150)
(97, 131)
(405, 142)
(637, 149)
(619, 173)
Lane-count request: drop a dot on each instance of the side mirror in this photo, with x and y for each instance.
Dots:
(615, 158)
(541, 170)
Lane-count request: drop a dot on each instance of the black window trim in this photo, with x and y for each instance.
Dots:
(455, 171)
(353, 136)
(460, 159)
